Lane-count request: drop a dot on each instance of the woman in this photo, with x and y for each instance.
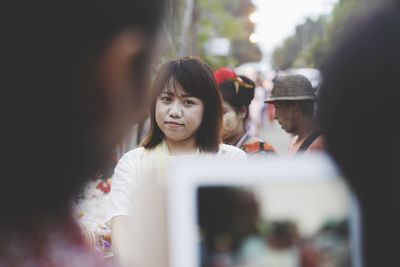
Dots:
(237, 93)
(186, 117)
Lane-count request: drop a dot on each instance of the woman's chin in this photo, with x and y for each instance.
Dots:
(174, 138)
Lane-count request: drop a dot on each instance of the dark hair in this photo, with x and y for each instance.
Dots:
(196, 78)
(238, 98)
(227, 211)
(283, 234)
(53, 110)
(307, 107)
(358, 112)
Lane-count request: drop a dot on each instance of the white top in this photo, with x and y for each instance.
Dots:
(127, 174)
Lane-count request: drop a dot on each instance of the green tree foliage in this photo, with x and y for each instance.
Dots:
(313, 39)
(228, 19)
(284, 56)
(341, 14)
(215, 18)
(293, 50)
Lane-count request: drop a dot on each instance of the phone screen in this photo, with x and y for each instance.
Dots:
(285, 224)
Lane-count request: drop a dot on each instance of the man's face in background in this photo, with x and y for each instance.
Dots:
(286, 114)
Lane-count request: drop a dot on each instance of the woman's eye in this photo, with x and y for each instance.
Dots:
(165, 99)
(189, 102)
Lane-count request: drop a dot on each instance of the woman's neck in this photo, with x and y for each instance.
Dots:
(233, 140)
(188, 146)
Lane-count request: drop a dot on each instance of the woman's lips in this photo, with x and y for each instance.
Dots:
(173, 124)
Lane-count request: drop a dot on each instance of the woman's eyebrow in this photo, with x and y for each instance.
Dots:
(186, 95)
(167, 92)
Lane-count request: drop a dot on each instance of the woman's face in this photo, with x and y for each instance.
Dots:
(232, 123)
(178, 114)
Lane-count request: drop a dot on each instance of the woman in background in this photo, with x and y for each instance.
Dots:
(237, 93)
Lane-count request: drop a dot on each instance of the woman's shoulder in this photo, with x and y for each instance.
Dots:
(134, 153)
(225, 148)
(131, 157)
(230, 151)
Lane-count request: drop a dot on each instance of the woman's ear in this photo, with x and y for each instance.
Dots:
(242, 113)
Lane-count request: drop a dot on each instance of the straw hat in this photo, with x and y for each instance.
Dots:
(291, 87)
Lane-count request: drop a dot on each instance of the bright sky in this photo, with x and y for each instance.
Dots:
(277, 19)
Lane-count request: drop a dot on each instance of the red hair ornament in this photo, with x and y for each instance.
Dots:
(226, 74)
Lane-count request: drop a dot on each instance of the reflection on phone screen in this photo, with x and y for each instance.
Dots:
(286, 225)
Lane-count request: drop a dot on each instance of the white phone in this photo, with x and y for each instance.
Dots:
(264, 212)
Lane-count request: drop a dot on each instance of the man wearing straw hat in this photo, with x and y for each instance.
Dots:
(294, 97)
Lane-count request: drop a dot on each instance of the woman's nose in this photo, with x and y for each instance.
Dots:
(176, 109)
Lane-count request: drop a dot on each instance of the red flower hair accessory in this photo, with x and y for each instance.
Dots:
(226, 74)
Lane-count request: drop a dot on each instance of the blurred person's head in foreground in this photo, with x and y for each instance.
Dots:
(359, 117)
(186, 109)
(237, 93)
(293, 97)
(75, 77)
